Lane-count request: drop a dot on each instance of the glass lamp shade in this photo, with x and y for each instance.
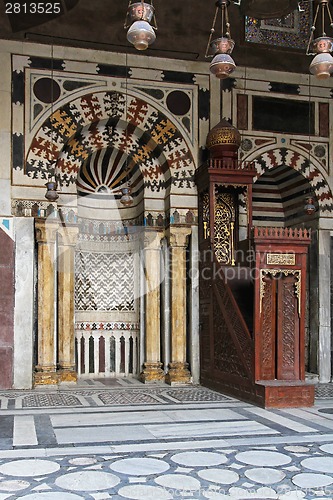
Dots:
(322, 44)
(222, 66)
(51, 191)
(141, 35)
(222, 45)
(126, 198)
(309, 207)
(139, 11)
(322, 65)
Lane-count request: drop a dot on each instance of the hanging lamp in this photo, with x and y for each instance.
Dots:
(220, 48)
(321, 47)
(139, 16)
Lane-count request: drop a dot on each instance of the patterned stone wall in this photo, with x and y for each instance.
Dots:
(120, 122)
(107, 279)
(308, 154)
(104, 281)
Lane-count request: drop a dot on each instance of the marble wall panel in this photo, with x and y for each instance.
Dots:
(24, 302)
(7, 293)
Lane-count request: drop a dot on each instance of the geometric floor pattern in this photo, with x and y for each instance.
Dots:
(129, 441)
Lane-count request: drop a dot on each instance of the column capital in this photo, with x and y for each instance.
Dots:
(46, 231)
(67, 235)
(178, 236)
(152, 240)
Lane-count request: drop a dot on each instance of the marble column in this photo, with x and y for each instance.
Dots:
(24, 302)
(178, 368)
(152, 366)
(67, 238)
(194, 350)
(46, 232)
(324, 296)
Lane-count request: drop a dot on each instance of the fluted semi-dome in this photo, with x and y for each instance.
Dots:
(223, 136)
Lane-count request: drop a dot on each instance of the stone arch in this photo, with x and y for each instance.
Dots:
(272, 158)
(98, 120)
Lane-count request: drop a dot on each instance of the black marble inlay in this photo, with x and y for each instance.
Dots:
(284, 88)
(47, 90)
(113, 70)
(38, 108)
(178, 103)
(45, 63)
(70, 85)
(283, 115)
(44, 431)
(178, 77)
(156, 93)
(6, 426)
(204, 104)
(18, 87)
(18, 151)
(187, 123)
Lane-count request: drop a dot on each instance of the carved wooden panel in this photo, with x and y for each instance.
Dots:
(224, 227)
(268, 330)
(288, 330)
(226, 356)
(237, 328)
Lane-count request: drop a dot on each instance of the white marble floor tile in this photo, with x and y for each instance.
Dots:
(145, 492)
(279, 419)
(87, 481)
(29, 468)
(110, 418)
(264, 493)
(292, 495)
(13, 485)
(199, 458)
(184, 484)
(219, 476)
(24, 431)
(265, 475)
(202, 415)
(327, 448)
(215, 495)
(52, 496)
(319, 464)
(310, 480)
(297, 449)
(188, 430)
(82, 461)
(263, 458)
(311, 417)
(140, 466)
(102, 434)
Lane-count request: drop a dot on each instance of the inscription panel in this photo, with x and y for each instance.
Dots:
(286, 259)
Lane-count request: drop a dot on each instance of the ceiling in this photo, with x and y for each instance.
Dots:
(184, 27)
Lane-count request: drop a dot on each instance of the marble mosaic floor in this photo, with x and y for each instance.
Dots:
(123, 440)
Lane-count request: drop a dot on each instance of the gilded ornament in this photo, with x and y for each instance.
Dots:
(223, 136)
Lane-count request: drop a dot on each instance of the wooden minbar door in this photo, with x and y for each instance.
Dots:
(280, 304)
(225, 197)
